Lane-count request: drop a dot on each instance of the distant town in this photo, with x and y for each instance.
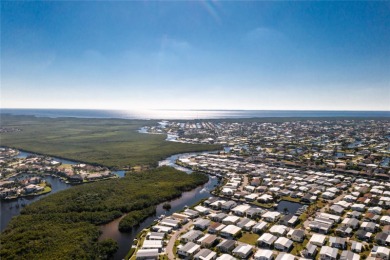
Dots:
(331, 176)
(24, 176)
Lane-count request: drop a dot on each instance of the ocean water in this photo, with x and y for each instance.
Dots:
(188, 114)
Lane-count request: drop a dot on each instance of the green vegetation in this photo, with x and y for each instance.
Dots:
(65, 224)
(135, 217)
(109, 142)
(249, 238)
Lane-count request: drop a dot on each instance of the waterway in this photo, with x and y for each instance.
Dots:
(125, 240)
(12, 208)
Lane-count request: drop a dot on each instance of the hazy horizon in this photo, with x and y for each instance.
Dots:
(318, 56)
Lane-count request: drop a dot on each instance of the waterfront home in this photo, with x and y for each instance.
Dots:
(153, 244)
(170, 223)
(191, 213)
(205, 254)
(161, 229)
(155, 236)
(243, 251)
(240, 210)
(202, 210)
(143, 254)
(188, 250)
(271, 216)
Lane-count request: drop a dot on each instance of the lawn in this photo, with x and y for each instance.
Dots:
(248, 238)
(111, 142)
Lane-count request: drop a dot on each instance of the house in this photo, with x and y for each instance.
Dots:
(336, 209)
(337, 242)
(328, 253)
(271, 216)
(382, 238)
(147, 254)
(317, 239)
(259, 227)
(230, 231)
(266, 240)
(226, 257)
(297, 235)
(285, 256)
(202, 210)
(191, 213)
(155, 236)
(226, 246)
(363, 235)
(228, 205)
(283, 244)
(191, 236)
(188, 250)
(231, 220)
(368, 226)
(153, 244)
(358, 207)
(207, 241)
(278, 230)
(310, 251)
(201, 224)
(254, 212)
(349, 255)
(350, 222)
(218, 217)
(243, 251)
(380, 252)
(246, 223)
(289, 220)
(328, 195)
(240, 209)
(170, 223)
(264, 254)
(215, 227)
(356, 247)
(205, 254)
(344, 231)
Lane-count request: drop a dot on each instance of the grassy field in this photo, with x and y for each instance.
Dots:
(248, 238)
(110, 142)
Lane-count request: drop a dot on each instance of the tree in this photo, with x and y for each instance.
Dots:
(107, 248)
(167, 206)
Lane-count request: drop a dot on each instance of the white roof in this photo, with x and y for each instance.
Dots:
(226, 257)
(264, 253)
(231, 229)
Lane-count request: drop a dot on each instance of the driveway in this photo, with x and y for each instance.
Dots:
(174, 237)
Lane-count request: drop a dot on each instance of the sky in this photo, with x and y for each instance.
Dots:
(280, 55)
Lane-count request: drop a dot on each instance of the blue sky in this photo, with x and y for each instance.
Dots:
(195, 55)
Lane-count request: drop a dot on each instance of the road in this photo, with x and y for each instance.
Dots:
(174, 237)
